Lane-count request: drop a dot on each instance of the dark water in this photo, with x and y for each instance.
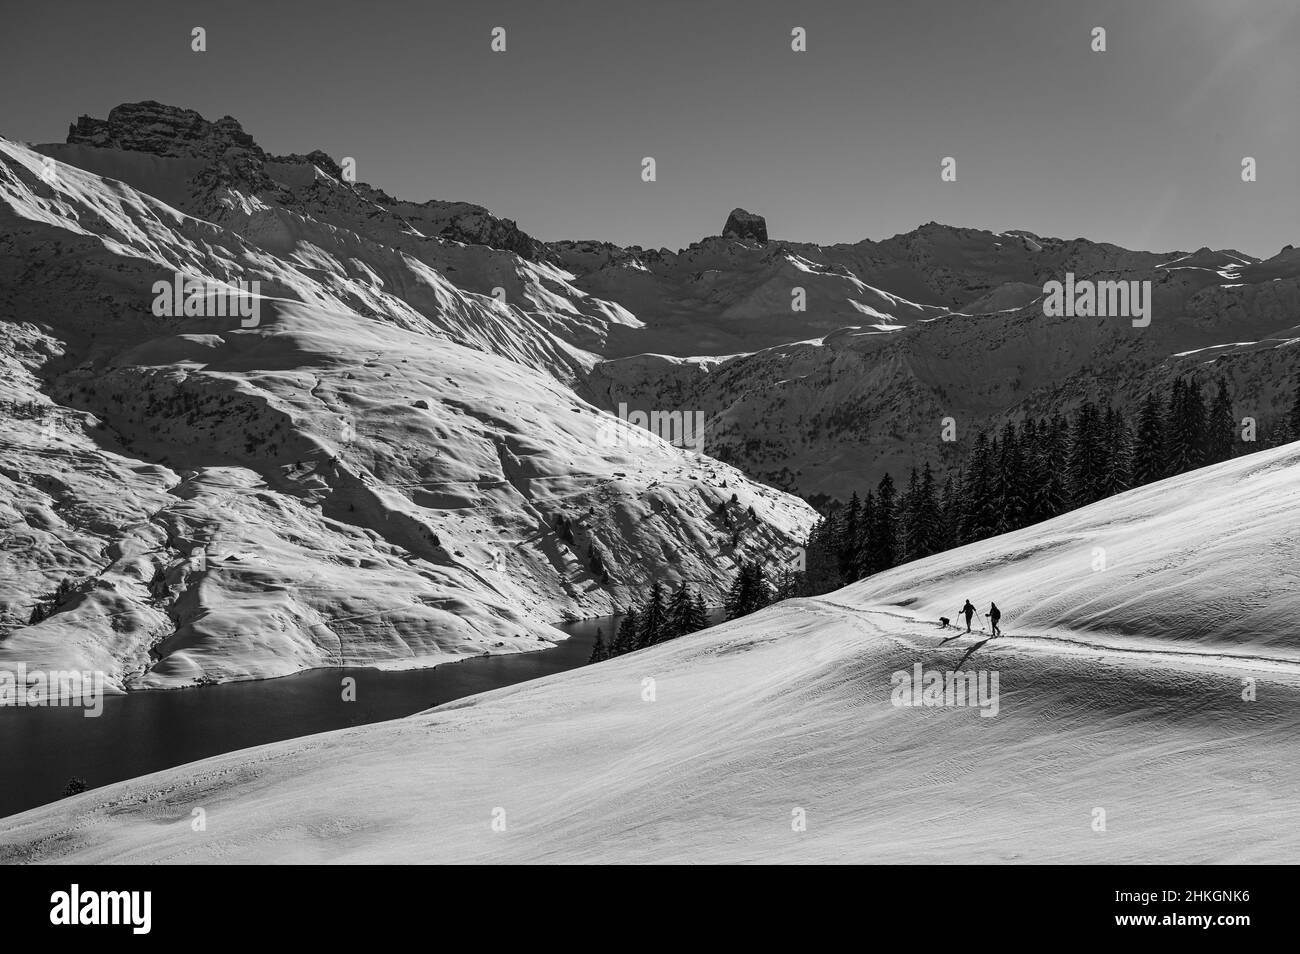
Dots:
(143, 732)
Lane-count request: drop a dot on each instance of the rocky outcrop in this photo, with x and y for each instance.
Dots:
(475, 225)
(745, 226)
(164, 131)
(237, 162)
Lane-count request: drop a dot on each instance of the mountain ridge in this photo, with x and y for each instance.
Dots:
(383, 470)
(365, 415)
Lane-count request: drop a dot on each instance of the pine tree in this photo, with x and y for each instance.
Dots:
(949, 516)
(1087, 448)
(846, 556)
(629, 633)
(864, 560)
(885, 542)
(1173, 409)
(75, 786)
(1118, 473)
(1196, 423)
(1185, 428)
(685, 612)
(819, 563)
(678, 604)
(1055, 438)
(789, 585)
(1294, 416)
(760, 587)
(699, 613)
(749, 592)
(1078, 471)
(834, 541)
(908, 539)
(1219, 429)
(1031, 463)
(1008, 483)
(1180, 452)
(734, 602)
(863, 544)
(654, 618)
(600, 651)
(980, 513)
(926, 528)
(1149, 450)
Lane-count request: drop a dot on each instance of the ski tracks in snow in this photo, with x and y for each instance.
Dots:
(1160, 654)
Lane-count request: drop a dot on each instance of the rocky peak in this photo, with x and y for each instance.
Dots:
(745, 226)
(164, 131)
(316, 157)
(235, 161)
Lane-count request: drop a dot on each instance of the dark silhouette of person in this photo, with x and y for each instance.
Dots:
(994, 616)
(969, 611)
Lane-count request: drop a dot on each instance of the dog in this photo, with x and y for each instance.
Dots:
(943, 622)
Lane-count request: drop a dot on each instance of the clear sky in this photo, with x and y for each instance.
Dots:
(1140, 145)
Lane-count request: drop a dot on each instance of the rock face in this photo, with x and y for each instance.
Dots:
(745, 226)
(388, 468)
(238, 162)
(164, 131)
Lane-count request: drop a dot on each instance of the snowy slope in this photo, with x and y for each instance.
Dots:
(788, 714)
(898, 334)
(937, 323)
(430, 389)
(374, 474)
(1210, 558)
(839, 410)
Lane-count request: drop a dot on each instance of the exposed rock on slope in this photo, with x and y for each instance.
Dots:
(870, 344)
(235, 159)
(384, 469)
(939, 323)
(164, 131)
(745, 225)
(434, 350)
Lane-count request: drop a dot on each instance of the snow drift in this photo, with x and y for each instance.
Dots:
(775, 738)
(1211, 558)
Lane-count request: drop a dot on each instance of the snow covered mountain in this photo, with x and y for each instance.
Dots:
(386, 466)
(413, 453)
(1146, 710)
(899, 335)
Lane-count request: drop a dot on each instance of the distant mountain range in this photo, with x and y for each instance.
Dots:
(415, 453)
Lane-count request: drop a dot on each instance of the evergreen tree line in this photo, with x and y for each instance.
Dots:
(662, 618)
(749, 592)
(1290, 429)
(1026, 473)
(659, 619)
